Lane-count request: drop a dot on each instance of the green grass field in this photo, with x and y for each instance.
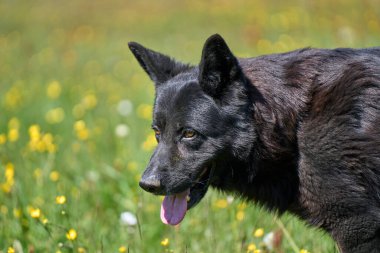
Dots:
(75, 112)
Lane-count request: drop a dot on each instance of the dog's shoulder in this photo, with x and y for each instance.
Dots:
(340, 128)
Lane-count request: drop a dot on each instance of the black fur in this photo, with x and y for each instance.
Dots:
(297, 132)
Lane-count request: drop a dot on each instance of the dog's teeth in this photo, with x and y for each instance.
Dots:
(188, 198)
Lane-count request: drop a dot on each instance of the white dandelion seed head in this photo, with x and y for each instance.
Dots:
(230, 199)
(124, 107)
(17, 246)
(268, 240)
(121, 130)
(128, 218)
(93, 176)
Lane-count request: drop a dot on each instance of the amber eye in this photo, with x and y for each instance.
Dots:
(188, 134)
(157, 133)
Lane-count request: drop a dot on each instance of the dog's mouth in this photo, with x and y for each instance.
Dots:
(174, 207)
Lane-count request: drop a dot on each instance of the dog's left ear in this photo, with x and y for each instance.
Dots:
(159, 67)
(218, 67)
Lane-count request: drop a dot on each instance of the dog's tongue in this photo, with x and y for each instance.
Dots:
(174, 207)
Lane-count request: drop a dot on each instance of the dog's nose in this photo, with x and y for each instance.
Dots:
(150, 184)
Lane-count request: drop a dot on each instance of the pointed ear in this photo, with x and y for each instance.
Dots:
(218, 66)
(159, 67)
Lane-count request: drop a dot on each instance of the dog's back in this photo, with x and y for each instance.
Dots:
(329, 101)
(339, 144)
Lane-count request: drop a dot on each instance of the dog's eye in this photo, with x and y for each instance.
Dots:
(157, 134)
(188, 134)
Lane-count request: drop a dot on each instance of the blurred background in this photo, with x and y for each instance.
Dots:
(75, 112)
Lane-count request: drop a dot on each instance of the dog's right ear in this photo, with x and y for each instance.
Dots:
(159, 67)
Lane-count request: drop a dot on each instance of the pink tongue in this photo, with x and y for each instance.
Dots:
(174, 207)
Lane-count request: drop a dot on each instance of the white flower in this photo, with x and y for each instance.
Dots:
(128, 218)
(230, 199)
(268, 240)
(17, 246)
(93, 175)
(124, 107)
(121, 130)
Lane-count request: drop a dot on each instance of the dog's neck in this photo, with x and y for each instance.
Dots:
(280, 101)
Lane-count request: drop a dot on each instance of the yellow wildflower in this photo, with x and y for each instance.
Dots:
(71, 234)
(83, 134)
(304, 251)
(221, 203)
(145, 111)
(40, 142)
(13, 97)
(89, 101)
(34, 133)
(258, 232)
(240, 215)
(51, 148)
(14, 123)
(11, 250)
(7, 187)
(17, 212)
(13, 134)
(35, 213)
(81, 130)
(132, 166)
(122, 249)
(165, 242)
(40, 146)
(3, 139)
(47, 140)
(81, 250)
(79, 125)
(53, 90)
(251, 247)
(54, 176)
(37, 173)
(45, 221)
(60, 200)
(9, 171)
(150, 142)
(78, 111)
(9, 178)
(55, 116)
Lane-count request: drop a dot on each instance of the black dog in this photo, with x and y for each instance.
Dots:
(297, 132)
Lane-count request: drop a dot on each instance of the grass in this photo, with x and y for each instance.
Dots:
(66, 72)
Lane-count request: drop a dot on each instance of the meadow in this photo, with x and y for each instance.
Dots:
(75, 114)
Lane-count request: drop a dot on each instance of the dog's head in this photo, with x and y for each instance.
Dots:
(200, 119)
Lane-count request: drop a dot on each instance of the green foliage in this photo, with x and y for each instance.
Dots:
(76, 108)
